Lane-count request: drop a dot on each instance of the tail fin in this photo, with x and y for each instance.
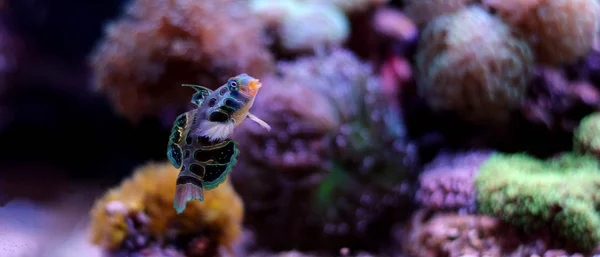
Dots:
(187, 192)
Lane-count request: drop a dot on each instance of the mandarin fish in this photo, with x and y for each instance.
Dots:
(200, 144)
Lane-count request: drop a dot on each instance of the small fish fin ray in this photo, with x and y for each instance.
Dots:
(217, 173)
(260, 122)
(200, 95)
(184, 193)
(216, 131)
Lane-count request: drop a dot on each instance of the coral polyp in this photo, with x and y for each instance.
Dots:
(562, 31)
(158, 45)
(531, 194)
(424, 11)
(587, 135)
(138, 215)
(333, 169)
(447, 183)
(472, 63)
(304, 25)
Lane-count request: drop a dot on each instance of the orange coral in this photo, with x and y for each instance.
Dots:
(150, 193)
(160, 44)
(560, 30)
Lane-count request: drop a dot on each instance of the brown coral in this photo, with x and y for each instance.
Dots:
(353, 6)
(562, 31)
(452, 235)
(139, 215)
(472, 63)
(160, 44)
(424, 11)
(332, 168)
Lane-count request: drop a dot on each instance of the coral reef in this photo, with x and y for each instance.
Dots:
(561, 31)
(352, 6)
(483, 97)
(557, 103)
(532, 194)
(452, 235)
(303, 25)
(424, 11)
(471, 63)
(447, 182)
(331, 172)
(456, 235)
(344, 252)
(587, 135)
(138, 216)
(159, 45)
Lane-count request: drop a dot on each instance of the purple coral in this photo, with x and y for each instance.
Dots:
(159, 45)
(447, 182)
(558, 103)
(332, 168)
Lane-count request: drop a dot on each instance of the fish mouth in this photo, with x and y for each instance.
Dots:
(255, 85)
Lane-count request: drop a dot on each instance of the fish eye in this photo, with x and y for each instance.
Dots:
(233, 85)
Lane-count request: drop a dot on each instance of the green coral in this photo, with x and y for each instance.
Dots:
(560, 193)
(587, 135)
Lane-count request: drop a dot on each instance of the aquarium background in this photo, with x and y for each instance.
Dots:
(399, 127)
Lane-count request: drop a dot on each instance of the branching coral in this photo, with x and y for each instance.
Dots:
(470, 62)
(561, 30)
(560, 193)
(160, 44)
(333, 166)
(301, 26)
(447, 182)
(587, 135)
(138, 216)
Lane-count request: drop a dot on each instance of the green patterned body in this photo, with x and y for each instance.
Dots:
(202, 163)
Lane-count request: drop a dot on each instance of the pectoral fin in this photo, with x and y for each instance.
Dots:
(260, 122)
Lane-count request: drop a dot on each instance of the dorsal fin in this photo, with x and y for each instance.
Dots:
(201, 93)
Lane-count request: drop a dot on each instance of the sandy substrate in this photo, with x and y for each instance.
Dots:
(55, 229)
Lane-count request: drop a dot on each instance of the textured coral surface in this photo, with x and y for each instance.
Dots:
(159, 44)
(360, 95)
(448, 234)
(447, 183)
(587, 135)
(560, 193)
(470, 62)
(139, 214)
(424, 11)
(321, 179)
(561, 31)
